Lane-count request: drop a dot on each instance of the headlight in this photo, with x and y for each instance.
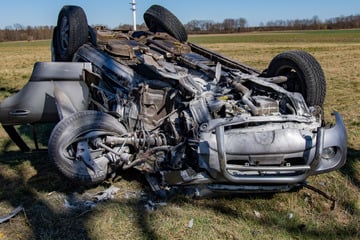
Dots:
(328, 153)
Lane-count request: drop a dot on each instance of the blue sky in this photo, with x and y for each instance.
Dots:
(114, 12)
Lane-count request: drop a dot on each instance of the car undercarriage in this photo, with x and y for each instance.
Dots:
(184, 116)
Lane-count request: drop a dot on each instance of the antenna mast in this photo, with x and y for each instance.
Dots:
(134, 13)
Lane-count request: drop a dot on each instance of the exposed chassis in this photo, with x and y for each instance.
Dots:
(183, 115)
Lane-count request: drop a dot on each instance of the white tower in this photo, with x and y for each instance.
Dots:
(134, 13)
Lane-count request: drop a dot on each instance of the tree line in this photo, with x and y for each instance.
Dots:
(233, 25)
(18, 32)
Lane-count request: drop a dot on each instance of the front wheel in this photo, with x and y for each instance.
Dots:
(72, 145)
(304, 74)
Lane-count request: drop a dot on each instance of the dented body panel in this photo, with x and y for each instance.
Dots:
(185, 116)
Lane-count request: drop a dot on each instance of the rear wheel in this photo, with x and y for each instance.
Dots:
(304, 73)
(71, 32)
(73, 145)
(159, 19)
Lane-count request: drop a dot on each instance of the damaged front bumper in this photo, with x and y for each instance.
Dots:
(295, 153)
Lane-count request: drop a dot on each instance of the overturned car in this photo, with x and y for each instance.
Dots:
(186, 117)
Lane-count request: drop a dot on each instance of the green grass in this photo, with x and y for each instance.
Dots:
(31, 180)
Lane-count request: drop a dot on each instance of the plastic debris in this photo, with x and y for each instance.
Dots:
(257, 214)
(12, 214)
(79, 204)
(106, 194)
(130, 195)
(90, 200)
(151, 206)
(191, 223)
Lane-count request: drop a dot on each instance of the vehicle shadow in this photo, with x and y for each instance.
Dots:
(32, 137)
(23, 176)
(353, 159)
(32, 181)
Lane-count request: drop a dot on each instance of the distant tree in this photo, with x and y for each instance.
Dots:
(241, 24)
(229, 25)
(193, 26)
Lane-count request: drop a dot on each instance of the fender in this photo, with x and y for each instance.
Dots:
(54, 90)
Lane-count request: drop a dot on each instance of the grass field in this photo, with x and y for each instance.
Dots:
(30, 179)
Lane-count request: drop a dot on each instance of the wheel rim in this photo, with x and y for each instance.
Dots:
(69, 150)
(83, 156)
(64, 33)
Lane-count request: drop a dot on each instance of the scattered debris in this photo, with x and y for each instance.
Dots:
(290, 215)
(106, 194)
(151, 206)
(325, 195)
(86, 202)
(191, 223)
(11, 214)
(141, 195)
(130, 195)
(78, 204)
(307, 198)
(89, 201)
(257, 214)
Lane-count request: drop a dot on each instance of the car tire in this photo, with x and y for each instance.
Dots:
(92, 36)
(304, 73)
(160, 19)
(54, 46)
(71, 32)
(64, 142)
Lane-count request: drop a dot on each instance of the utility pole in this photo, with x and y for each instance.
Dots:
(133, 8)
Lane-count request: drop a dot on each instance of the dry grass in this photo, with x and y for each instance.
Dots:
(32, 181)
